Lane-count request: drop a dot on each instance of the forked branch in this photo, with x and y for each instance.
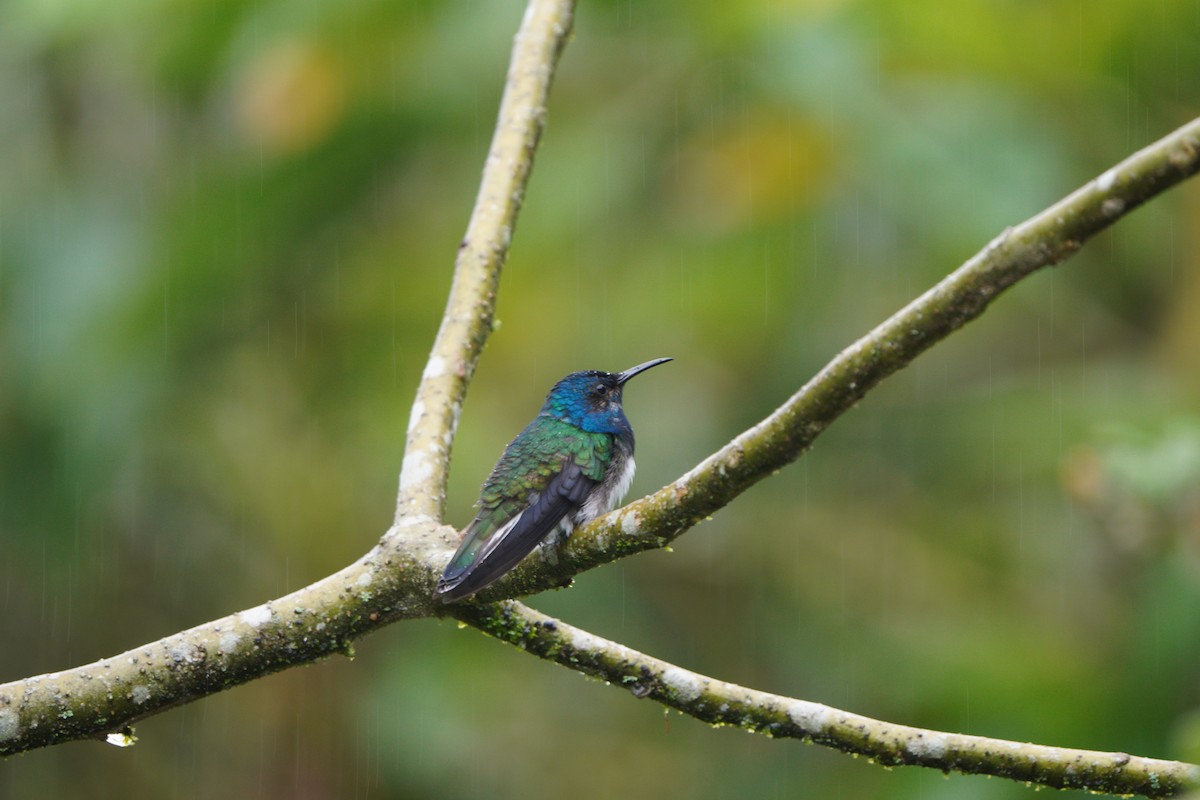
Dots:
(394, 580)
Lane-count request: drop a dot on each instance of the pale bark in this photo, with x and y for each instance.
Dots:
(395, 579)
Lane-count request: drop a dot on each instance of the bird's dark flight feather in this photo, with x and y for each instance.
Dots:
(503, 550)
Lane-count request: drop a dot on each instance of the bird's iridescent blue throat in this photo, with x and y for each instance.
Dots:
(571, 464)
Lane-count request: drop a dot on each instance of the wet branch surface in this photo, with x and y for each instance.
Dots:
(470, 310)
(395, 579)
(1043, 240)
(721, 703)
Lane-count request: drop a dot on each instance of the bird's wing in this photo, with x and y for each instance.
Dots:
(487, 553)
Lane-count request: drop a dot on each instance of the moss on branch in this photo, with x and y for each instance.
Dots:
(721, 703)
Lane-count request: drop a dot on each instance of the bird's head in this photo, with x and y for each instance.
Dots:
(592, 400)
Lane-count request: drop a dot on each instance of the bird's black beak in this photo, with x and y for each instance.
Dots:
(623, 377)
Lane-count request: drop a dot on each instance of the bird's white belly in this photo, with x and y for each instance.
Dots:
(607, 495)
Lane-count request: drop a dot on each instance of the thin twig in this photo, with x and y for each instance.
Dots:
(467, 321)
(721, 703)
(1043, 240)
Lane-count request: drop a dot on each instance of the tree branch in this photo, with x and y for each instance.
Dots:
(467, 321)
(395, 579)
(1043, 240)
(317, 621)
(720, 703)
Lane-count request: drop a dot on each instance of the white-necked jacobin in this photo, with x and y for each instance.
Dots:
(573, 463)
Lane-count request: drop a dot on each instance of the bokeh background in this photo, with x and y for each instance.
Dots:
(226, 233)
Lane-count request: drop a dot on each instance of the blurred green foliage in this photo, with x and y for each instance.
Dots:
(226, 231)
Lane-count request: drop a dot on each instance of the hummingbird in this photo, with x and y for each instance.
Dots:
(573, 463)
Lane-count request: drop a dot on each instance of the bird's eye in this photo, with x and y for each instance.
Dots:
(601, 389)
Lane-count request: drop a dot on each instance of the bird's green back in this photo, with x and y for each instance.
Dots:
(529, 462)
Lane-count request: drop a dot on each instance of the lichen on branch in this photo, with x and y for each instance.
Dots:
(467, 321)
(721, 703)
(395, 579)
(1046, 239)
